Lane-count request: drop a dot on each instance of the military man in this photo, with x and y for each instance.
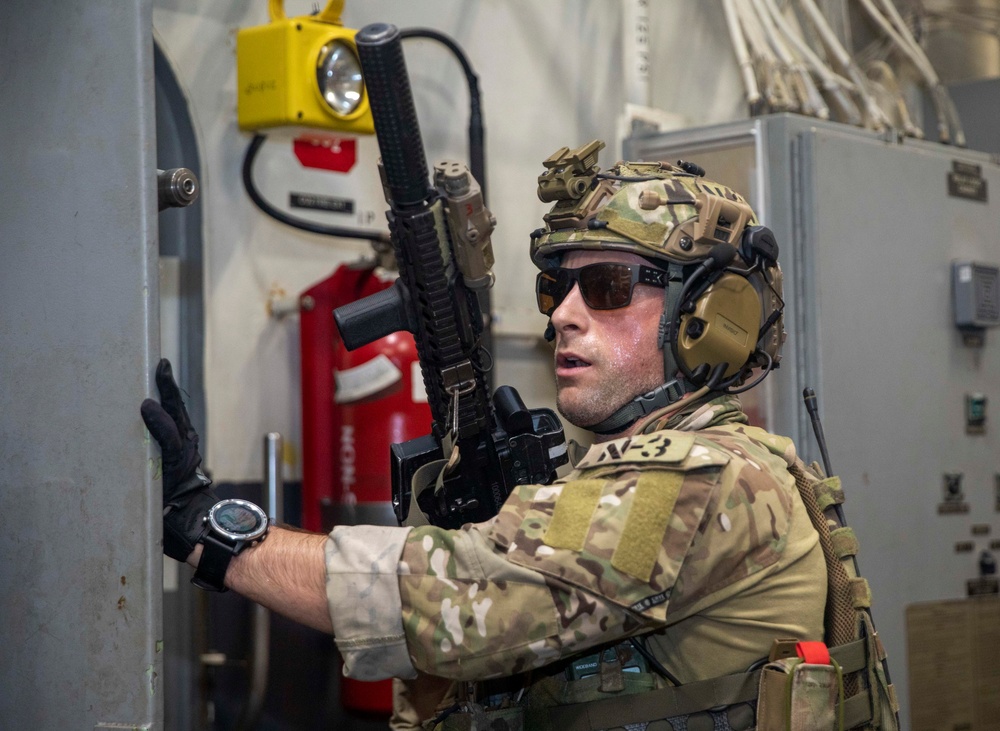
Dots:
(677, 550)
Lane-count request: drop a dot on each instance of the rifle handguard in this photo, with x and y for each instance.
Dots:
(380, 51)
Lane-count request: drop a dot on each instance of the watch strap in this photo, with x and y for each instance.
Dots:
(215, 558)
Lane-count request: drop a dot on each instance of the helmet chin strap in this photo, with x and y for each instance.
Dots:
(639, 407)
(672, 389)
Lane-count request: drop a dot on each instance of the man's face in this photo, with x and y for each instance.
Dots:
(605, 358)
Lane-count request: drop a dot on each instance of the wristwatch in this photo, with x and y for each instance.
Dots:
(232, 526)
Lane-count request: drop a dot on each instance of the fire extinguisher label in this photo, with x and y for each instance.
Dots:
(354, 384)
(419, 393)
(348, 455)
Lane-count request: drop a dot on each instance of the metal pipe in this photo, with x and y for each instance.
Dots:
(260, 649)
(274, 482)
(804, 57)
(939, 93)
(919, 62)
(739, 43)
(875, 116)
(777, 94)
(807, 98)
(829, 78)
(635, 51)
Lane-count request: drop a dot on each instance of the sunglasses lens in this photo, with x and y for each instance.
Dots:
(606, 286)
(551, 288)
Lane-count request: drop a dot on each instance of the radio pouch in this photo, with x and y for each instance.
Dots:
(802, 693)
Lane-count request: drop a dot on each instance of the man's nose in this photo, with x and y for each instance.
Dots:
(572, 311)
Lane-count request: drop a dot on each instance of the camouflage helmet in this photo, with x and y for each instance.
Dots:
(673, 216)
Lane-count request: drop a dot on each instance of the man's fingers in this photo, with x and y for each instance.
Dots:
(164, 372)
(161, 425)
(170, 395)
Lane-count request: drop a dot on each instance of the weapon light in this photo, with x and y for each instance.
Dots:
(301, 71)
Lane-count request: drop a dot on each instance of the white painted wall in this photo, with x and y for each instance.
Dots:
(550, 75)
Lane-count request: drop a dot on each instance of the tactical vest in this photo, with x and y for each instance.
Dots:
(850, 690)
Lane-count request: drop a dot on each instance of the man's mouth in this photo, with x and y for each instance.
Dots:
(570, 361)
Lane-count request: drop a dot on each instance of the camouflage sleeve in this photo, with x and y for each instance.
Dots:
(362, 591)
(563, 567)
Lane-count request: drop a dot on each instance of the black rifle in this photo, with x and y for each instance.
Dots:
(441, 237)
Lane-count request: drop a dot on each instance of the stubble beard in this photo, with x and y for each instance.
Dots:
(587, 407)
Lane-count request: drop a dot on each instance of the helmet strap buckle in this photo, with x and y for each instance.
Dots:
(642, 405)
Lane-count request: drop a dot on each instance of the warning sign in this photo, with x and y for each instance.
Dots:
(966, 181)
(326, 152)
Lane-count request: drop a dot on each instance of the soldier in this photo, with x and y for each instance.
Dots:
(677, 550)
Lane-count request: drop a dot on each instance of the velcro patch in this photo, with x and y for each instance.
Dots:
(573, 514)
(639, 547)
(649, 233)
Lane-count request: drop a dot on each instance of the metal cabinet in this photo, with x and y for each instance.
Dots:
(868, 228)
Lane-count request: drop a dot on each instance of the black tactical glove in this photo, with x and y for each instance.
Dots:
(187, 497)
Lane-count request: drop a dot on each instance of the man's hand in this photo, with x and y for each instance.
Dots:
(187, 497)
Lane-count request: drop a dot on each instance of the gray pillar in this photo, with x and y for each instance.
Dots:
(80, 555)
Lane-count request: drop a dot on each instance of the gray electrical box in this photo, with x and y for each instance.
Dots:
(868, 228)
(977, 294)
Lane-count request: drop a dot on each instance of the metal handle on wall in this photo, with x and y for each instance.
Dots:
(260, 650)
(176, 188)
(274, 482)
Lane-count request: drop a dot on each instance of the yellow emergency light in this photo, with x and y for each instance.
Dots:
(301, 71)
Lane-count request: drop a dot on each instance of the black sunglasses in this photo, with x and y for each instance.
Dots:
(603, 286)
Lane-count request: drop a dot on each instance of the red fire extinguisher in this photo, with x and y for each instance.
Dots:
(354, 405)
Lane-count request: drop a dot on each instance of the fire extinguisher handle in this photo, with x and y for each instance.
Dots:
(374, 316)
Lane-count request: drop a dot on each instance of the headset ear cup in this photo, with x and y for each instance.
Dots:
(722, 326)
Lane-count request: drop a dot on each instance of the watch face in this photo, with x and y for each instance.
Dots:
(238, 519)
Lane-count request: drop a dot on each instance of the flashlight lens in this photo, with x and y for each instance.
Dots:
(338, 73)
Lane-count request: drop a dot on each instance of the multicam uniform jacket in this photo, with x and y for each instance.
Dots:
(693, 531)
